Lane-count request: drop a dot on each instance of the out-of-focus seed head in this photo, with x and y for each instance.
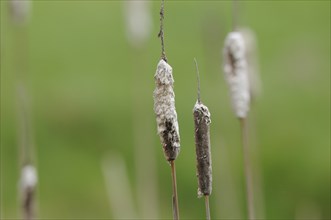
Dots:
(28, 177)
(164, 108)
(138, 21)
(236, 73)
(20, 11)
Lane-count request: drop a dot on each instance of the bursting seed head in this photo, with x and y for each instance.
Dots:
(236, 73)
(164, 108)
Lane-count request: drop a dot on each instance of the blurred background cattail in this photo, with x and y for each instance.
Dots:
(20, 11)
(236, 74)
(28, 183)
(138, 22)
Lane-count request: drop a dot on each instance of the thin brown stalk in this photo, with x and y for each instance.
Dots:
(174, 191)
(247, 169)
(234, 15)
(207, 207)
(161, 33)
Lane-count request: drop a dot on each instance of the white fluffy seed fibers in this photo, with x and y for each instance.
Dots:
(19, 10)
(164, 108)
(236, 73)
(28, 178)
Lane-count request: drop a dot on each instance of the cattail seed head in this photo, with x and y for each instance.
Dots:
(164, 108)
(236, 73)
(28, 183)
(138, 22)
(28, 177)
(19, 10)
(202, 121)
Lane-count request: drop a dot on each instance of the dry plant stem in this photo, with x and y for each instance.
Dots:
(198, 79)
(234, 15)
(247, 169)
(174, 191)
(161, 33)
(207, 207)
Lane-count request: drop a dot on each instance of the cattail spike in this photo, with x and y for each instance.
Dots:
(28, 185)
(236, 73)
(202, 121)
(19, 11)
(198, 78)
(164, 108)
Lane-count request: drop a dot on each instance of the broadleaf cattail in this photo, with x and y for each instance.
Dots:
(164, 107)
(236, 74)
(28, 183)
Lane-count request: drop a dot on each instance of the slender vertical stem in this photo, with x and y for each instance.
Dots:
(161, 33)
(234, 15)
(247, 169)
(207, 207)
(174, 191)
(198, 78)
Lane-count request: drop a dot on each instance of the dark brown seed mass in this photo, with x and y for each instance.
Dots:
(202, 142)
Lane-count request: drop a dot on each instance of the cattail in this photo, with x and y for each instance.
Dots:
(164, 107)
(138, 20)
(235, 69)
(19, 10)
(202, 142)
(236, 74)
(166, 115)
(202, 121)
(28, 185)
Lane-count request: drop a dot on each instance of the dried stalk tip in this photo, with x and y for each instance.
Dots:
(164, 108)
(202, 121)
(236, 73)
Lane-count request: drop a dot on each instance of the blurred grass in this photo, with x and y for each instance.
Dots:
(81, 80)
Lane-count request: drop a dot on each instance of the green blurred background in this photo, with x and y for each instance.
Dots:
(93, 125)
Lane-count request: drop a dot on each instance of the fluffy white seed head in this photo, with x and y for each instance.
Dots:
(164, 108)
(28, 178)
(138, 21)
(20, 10)
(236, 73)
